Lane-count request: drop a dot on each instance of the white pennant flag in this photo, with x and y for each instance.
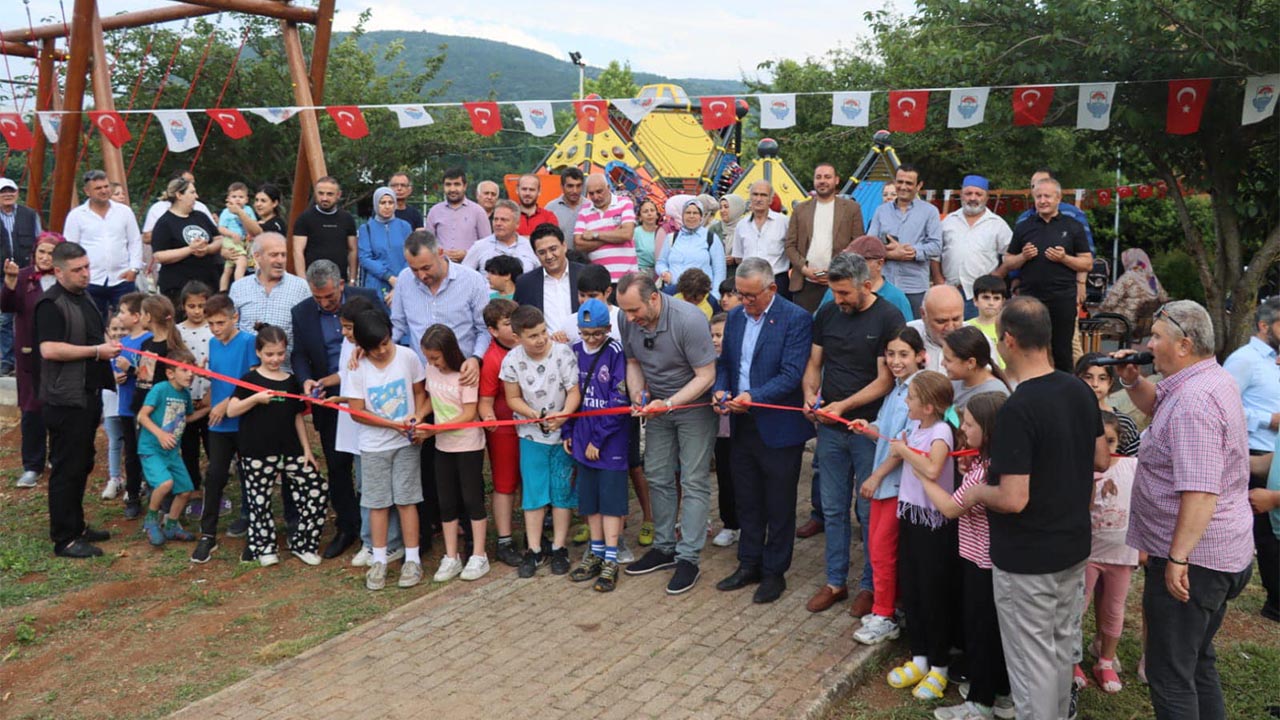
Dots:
(1259, 98)
(537, 118)
(179, 133)
(274, 115)
(50, 123)
(636, 108)
(412, 115)
(777, 111)
(851, 109)
(968, 107)
(1093, 108)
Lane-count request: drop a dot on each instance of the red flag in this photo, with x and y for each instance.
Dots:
(1104, 197)
(1162, 188)
(1144, 192)
(350, 120)
(1124, 192)
(718, 112)
(593, 115)
(1186, 104)
(1031, 104)
(231, 121)
(112, 126)
(15, 132)
(485, 118)
(907, 110)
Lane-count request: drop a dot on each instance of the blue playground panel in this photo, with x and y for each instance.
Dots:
(867, 193)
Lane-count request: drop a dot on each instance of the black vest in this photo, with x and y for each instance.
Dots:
(70, 384)
(19, 245)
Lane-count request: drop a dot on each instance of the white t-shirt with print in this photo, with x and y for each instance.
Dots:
(544, 384)
(388, 393)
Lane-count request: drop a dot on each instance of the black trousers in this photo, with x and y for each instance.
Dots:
(34, 441)
(926, 565)
(1181, 663)
(1062, 317)
(70, 430)
(132, 465)
(342, 489)
(783, 281)
(222, 451)
(193, 436)
(764, 486)
(460, 483)
(988, 674)
(724, 483)
(429, 508)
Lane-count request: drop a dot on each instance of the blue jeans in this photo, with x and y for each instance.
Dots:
(847, 459)
(114, 427)
(970, 309)
(395, 540)
(6, 341)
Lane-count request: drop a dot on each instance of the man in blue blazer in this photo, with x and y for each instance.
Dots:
(317, 342)
(762, 361)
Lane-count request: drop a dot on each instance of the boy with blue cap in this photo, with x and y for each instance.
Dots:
(599, 444)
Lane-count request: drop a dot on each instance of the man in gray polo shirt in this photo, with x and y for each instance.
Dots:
(671, 362)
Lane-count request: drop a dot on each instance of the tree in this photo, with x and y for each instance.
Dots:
(612, 82)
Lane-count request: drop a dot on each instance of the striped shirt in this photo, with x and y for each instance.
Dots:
(972, 527)
(1197, 442)
(458, 302)
(618, 258)
(256, 304)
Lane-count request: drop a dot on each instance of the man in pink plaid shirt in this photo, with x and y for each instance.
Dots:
(1190, 509)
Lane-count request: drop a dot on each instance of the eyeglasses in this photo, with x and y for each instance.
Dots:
(1164, 313)
(592, 334)
(752, 297)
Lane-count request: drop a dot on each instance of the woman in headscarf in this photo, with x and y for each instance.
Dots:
(21, 290)
(1137, 292)
(692, 246)
(380, 244)
(732, 208)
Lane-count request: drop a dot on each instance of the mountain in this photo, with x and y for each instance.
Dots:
(474, 67)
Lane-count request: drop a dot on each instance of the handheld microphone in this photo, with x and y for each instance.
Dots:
(1141, 358)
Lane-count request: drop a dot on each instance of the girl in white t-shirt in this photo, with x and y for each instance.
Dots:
(459, 456)
(196, 334)
(111, 420)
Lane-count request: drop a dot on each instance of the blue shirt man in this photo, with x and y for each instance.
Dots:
(1256, 374)
(916, 227)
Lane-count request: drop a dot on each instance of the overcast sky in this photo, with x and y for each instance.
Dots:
(714, 40)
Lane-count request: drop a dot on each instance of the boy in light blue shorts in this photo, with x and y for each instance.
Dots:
(540, 378)
(164, 414)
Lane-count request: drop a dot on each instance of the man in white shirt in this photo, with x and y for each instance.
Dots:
(503, 241)
(763, 235)
(108, 232)
(974, 241)
(941, 312)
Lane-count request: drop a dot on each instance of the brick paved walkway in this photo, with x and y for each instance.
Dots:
(509, 648)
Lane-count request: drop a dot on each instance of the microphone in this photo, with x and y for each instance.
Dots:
(1141, 358)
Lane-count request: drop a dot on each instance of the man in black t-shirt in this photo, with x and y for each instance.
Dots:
(325, 230)
(74, 370)
(1045, 448)
(1050, 249)
(847, 377)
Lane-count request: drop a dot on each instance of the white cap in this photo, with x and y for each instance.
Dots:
(7, 184)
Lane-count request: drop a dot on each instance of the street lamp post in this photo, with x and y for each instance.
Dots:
(576, 59)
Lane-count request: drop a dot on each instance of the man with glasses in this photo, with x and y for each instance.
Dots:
(554, 291)
(763, 360)
(671, 362)
(402, 186)
(763, 235)
(108, 232)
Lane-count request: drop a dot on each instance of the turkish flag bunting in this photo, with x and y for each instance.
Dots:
(907, 110)
(718, 112)
(15, 131)
(1124, 192)
(593, 115)
(112, 126)
(1144, 192)
(350, 120)
(1031, 104)
(1186, 104)
(1104, 197)
(231, 121)
(485, 118)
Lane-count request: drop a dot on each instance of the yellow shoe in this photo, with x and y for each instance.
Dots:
(646, 534)
(583, 535)
(932, 687)
(907, 675)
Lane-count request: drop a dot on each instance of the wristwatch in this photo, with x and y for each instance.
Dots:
(668, 403)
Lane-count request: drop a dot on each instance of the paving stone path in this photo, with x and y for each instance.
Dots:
(508, 648)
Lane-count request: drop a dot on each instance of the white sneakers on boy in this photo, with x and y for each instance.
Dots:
(876, 630)
(112, 490)
(726, 537)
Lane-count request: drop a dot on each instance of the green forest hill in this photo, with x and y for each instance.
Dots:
(475, 68)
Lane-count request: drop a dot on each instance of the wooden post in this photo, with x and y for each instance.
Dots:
(104, 99)
(44, 102)
(303, 171)
(178, 11)
(69, 134)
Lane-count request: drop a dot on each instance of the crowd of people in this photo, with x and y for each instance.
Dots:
(1000, 479)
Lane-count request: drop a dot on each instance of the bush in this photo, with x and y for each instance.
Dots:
(1178, 274)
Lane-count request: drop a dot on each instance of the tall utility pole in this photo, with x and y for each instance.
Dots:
(576, 59)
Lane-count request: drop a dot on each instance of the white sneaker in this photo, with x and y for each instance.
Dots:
(726, 537)
(309, 558)
(376, 577)
(395, 555)
(28, 479)
(877, 630)
(450, 568)
(363, 558)
(268, 560)
(1004, 708)
(963, 711)
(625, 556)
(477, 567)
(410, 574)
(112, 490)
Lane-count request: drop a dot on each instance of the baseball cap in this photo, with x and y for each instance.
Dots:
(7, 184)
(593, 314)
(869, 247)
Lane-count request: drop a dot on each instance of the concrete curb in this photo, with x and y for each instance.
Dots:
(840, 680)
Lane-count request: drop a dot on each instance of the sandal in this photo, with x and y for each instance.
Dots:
(1079, 678)
(932, 687)
(1096, 650)
(907, 675)
(1107, 677)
